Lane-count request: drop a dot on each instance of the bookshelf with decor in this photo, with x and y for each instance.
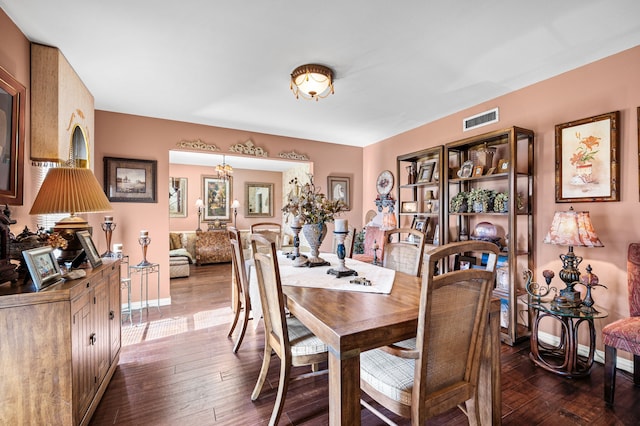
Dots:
(419, 192)
(488, 195)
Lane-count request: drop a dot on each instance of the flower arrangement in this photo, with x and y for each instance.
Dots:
(310, 205)
(584, 152)
(458, 203)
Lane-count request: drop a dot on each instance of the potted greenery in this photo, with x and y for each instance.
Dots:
(458, 203)
(480, 199)
(501, 202)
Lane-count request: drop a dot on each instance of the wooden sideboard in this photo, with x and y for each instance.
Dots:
(213, 247)
(59, 347)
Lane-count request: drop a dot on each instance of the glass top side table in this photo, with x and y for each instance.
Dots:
(563, 359)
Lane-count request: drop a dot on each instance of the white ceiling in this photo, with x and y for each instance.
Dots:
(398, 65)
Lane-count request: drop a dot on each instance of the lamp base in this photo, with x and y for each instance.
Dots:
(67, 228)
(572, 296)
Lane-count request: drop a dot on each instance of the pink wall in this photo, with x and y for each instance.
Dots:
(194, 176)
(608, 85)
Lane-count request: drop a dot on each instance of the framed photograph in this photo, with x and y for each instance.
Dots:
(177, 197)
(426, 172)
(258, 199)
(587, 159)
(503, 166)
(477, 170)
(339, 188)
(130, 180)
(491, 171)
(466, 170)
(89, 248)
(12, 115)
(409, 207)
(419, 224)
(217, 196)
(463, 262)
(43, 266)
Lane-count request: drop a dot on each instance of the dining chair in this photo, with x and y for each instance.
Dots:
(242, 286)
(285, 335)
(442, 371)
(403, 250)
(624, 333)
(271, 230)
(348, 242)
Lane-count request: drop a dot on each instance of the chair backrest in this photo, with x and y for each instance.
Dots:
(348, 242)
(402, 253)
(271, 230)
(454, 309)
(633, 278)
(268, 274)
(237, 260)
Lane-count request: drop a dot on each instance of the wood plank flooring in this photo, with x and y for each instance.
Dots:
(177, 368)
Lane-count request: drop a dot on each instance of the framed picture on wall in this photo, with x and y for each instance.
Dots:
(216, 195)
(12, 115)
(339, 188)
(130, 180)
(587, 159)
(177, 197)
(258, 199)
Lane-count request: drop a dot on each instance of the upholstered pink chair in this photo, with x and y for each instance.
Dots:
(625, 333)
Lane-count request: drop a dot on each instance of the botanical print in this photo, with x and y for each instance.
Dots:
(586, 170)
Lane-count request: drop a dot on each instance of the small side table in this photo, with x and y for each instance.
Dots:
(563, 359)
(144, 271)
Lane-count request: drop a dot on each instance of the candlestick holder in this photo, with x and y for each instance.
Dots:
(376, 260)
(341, 270)
(144, 243)
(298, 259)
(108, 228)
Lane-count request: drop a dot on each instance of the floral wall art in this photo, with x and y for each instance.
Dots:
(586, 159)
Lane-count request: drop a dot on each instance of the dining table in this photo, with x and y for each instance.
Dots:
(351, 319)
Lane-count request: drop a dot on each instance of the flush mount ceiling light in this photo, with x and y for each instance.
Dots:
(312, 81)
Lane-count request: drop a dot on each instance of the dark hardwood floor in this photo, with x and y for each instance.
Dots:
(177, 368)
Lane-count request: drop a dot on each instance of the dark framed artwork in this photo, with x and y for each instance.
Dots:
(12, 116)
(43, 266)
(130, 180)
(216, 195)
(258, 199)
(177, 197)
(587, 159)
(89, 248)
(339, 188)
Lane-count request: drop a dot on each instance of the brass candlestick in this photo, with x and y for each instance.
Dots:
(108, 228)
(144, 242)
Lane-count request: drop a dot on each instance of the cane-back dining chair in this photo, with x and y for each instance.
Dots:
(442, 371)
(242, 286)
(403, 250)
(285, 335)
(271, 230)
(624, 333)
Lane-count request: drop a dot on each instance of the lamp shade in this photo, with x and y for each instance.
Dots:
(199, 203)
(70, 190)
(572, 228)
(235, 204)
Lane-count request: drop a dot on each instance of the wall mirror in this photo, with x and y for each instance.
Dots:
(259, 199)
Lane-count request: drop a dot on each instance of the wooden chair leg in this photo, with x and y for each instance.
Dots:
(636, 370)
(283, 385)
(263, 373)
(610, 354)
(235, 320)
(243, 330)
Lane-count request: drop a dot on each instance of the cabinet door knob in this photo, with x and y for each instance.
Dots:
(111, 315)
(92, 339)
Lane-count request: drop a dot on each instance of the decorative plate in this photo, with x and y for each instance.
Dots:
(384, 183)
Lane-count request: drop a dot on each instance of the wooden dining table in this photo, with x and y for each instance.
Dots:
(354, 322)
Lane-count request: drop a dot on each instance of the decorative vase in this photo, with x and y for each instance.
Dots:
(315, 233)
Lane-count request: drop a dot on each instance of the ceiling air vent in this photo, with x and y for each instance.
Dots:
(480, 120)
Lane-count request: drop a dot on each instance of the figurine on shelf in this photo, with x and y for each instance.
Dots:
(412, 174)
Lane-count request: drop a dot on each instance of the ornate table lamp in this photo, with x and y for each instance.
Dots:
(70, 190)
(572, 228)
(199, 206)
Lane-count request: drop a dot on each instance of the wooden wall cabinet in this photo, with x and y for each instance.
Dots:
(60, 348)
(501, 160)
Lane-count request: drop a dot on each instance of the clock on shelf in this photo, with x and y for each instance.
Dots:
(384, 183)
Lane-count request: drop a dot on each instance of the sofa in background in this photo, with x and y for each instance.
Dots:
(182, 247)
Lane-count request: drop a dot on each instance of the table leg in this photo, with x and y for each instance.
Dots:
(344, 388)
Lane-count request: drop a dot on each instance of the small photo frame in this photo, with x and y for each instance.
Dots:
(43, 266)
(409, 207)
(464, 262)
(503, 166)
(491, 171)
(477, 171)
(466, 170)
(420, 224)
(426, 172)
(89, 248)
